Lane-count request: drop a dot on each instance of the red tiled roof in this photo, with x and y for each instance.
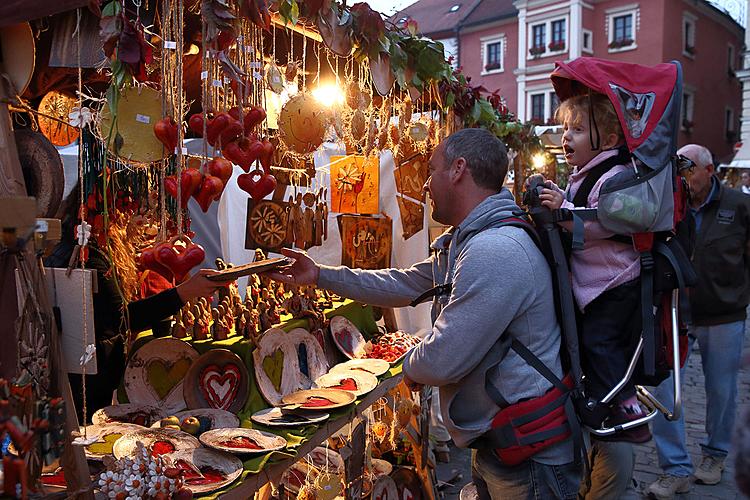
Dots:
(490, 10)
(435, 16)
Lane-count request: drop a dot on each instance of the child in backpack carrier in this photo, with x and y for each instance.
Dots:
(605, 272)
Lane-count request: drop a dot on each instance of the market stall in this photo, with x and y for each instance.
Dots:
(298, 124)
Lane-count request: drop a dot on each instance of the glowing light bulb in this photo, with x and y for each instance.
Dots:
(539, 161)
(329, 95)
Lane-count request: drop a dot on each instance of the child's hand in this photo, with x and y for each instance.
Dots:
(551, 198)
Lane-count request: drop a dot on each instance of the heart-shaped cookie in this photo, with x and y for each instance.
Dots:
(163, 376)
(273, 365)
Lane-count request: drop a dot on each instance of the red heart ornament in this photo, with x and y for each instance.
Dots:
(148, 261)
(179, 259)
(253, 118)
(195, 123)
(257, 190)
(243, 152)
(219, 386)
(231, 132)
(166, 131)
(211, 189)
(170, 186)
(216, 126)
(221, 168)
(266, 156)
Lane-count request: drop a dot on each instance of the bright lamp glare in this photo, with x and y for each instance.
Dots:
(539, 161)
(329, 95)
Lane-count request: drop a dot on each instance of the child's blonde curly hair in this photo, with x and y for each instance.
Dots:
(576, 108)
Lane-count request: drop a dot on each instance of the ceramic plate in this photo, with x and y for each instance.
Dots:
(274, 417)
(241, 440)
(128, 413)
(381, 468)
(347, 337)
(217, 379)
(384, 488)
(206, 470)
(356, 382)
(375, 366)
(319, 399)
(296, 475)
(408, 483)
(326, 459)
(158, 441)
(155, 374)
(208, 417)
(106, 436)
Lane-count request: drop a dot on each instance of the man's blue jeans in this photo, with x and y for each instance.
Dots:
(721, 350)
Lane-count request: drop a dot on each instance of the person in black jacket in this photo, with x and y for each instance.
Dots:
(116, 288)
(718, 306)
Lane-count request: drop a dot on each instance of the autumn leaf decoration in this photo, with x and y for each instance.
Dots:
(124, 44)
(219, 19)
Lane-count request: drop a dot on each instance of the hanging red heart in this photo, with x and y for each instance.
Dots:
(195, 123)
(216, 126)
(211, 189)
(232, 131)
(179, 259)
(221, 168)
(243, 152)
(170, 186)
(166, 131)
(267, 156)
(148, 261)
(257, 189)
(253, 118)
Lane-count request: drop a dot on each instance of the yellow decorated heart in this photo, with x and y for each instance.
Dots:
(164, 376)
(273, 365)
(104, 447)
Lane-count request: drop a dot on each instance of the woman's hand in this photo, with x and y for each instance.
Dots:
(198, 285)
(304, 270)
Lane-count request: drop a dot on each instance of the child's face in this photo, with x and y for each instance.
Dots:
(576, 141)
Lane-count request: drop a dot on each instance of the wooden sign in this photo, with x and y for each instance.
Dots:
(267, 225)
(412, 216)
(411, 176)
(355, 184)
(366, 242)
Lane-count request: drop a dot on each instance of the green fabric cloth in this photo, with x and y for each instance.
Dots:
(359, 314)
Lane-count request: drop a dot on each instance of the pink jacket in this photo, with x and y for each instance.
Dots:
(602, 264)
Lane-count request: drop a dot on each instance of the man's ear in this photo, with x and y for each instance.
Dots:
(458, 169)
(711, 169)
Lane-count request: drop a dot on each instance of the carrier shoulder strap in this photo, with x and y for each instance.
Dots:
(584, 190)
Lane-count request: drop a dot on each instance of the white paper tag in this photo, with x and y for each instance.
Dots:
(168, 44)
(227, 80)
(256, 64)
(41, 226)
(247, 48)
(184, 151)
(217, 83)
(88, 355)
(257, 75)
(204, 75)
(142, 118)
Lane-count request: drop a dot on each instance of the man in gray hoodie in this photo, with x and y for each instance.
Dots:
(496, 287)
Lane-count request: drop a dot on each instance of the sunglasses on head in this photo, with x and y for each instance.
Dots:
(685, 164)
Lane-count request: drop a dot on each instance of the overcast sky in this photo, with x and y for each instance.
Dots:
(389, 7)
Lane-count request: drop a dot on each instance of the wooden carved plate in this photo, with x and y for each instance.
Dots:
(128, 413)
(287, 362)
(274, 417)
(106, 436)
(356, 382)
(57, 105)
(385, 488)
(206, 470)
(370, 365)
(241, 440)
(347, 337)
(318, 399)
(155, 374)
(157, 441)
(217, 379)
(208, 417)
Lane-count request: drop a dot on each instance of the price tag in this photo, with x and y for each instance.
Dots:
(204, 75)
(247, 48)
(184, 151)
(142, 118)
(256, 64)
(217, 83)
(257, 75)
(169, 44)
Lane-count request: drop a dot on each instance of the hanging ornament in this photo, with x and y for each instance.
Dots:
(302, 124)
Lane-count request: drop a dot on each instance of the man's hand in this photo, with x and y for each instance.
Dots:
(304, 270)
(200, 286)
(413, 386)
(551, 198)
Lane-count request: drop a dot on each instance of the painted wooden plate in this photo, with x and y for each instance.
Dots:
(371, 365)
(274, 417)
(158, 441)
(128, 413)
(408, 483)
(384, 488)
(217, 379)
(326, 459)
(206, 470)
(356, 382)
(380, 468)
(106, 436)
(347, 337)
(298, 474)
(155, 374)
(287, 362)
(241, 440)
(209, 418)
(318, 399)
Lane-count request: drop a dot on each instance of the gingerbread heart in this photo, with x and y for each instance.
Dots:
(163, 376)
(257, 189)
(232, 131)
(243, 152)
(148, 261)
(216, 126)
(219, 386)
(179, 260)
(211, 189)
(253, 118)
(195, 123)
(166, 131)
(221, 168)
(273, 365)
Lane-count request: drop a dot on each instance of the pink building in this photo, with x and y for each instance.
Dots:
(512, 45)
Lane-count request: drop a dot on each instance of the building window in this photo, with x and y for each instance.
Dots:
(729, 125)
(492, 50)
(538, 38)
(621, 27)
(686, 113)
(588, 42)
(537, 108)
(731, 61)
(554, 103)
(688, 35)
(557, 43)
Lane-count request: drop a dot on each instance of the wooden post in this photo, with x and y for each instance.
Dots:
(354, 468)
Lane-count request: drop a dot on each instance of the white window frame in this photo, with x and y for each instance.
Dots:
(589, 49)
(631, 10)
(688, 19)
(547, 37)
(489, 40)
(547, 92)
(689, 113)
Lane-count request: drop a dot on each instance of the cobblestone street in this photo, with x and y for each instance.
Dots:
(646, 467)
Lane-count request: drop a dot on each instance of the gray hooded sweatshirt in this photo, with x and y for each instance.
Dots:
(502, 289)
